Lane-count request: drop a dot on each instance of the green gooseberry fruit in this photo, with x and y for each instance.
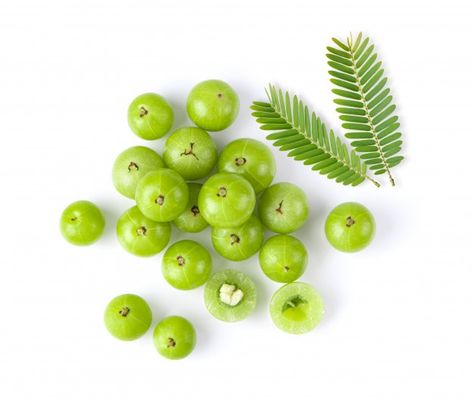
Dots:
(127, 317)
(162, 195)
(238, 243)
(213, 105)
(150, 116)
(226, 200)
(350, 227)
(283, 258)
(191, 152)
(191, 220)
(131, 165)
(250, 158)
(174, 337)
(283, 208)
(140, 235)
(296, 308)
(82, 223)
(186, 265)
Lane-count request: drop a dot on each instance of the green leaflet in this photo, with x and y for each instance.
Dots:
(365, 104)
(306, 138)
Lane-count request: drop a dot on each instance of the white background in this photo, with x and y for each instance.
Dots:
(399, 317)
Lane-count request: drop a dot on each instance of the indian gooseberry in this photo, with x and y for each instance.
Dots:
(296, 308)
(150, 116)
(250, 158)
(127, 317)
(230, 295)
(283, 208)
(140, 235)
(131, 165)
(226, 200)
(283, 258)
(82, 223)
(174, 337)
(162, 195)
(238, 243)
(191, 220)
(191, 152)
(350, 227)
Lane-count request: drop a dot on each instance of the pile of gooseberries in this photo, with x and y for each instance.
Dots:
(237, 203)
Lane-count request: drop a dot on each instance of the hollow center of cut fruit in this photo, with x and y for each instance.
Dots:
(234, 239)
(132, 167)
(124, 311)
(180, 260)
(295, 309)
(190, 151)
(230, 294)
(240, 161)
(141, 231)
(222, 192)
(280, 208)
(143, 111)
(171, 343)
(160, 200)
(349, 221)
(195, 210)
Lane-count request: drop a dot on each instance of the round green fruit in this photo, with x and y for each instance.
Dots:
(283, 208)
(186, 265)
(350, 227)
(174, 337)
(226, 200)
(238, 243)
(127, 317)
(283, 258)
(296, 308)
(162, 195)
(230, 295)
(250, 158)
(150, 116)
(191, 152)
(131, 165)
(140, 235)
(191, 220)
(82, 223)
(213, 105)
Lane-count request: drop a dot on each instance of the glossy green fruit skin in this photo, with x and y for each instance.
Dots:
(222, 311)
(131, 165)
(283, 208)
(127, 317)
(140, 235)
(226, 200)
(186, 265)
(191, 220)
(238, 243)
(174, 337)
(150, 116)
(191, 152)
(82, 223)
(302, 317)
(213, 105)
(350, 227)
(162, 195)
(283, 258)
(250, 158)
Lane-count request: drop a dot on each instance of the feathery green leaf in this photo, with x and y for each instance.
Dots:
(306, 138)
(365, 103)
